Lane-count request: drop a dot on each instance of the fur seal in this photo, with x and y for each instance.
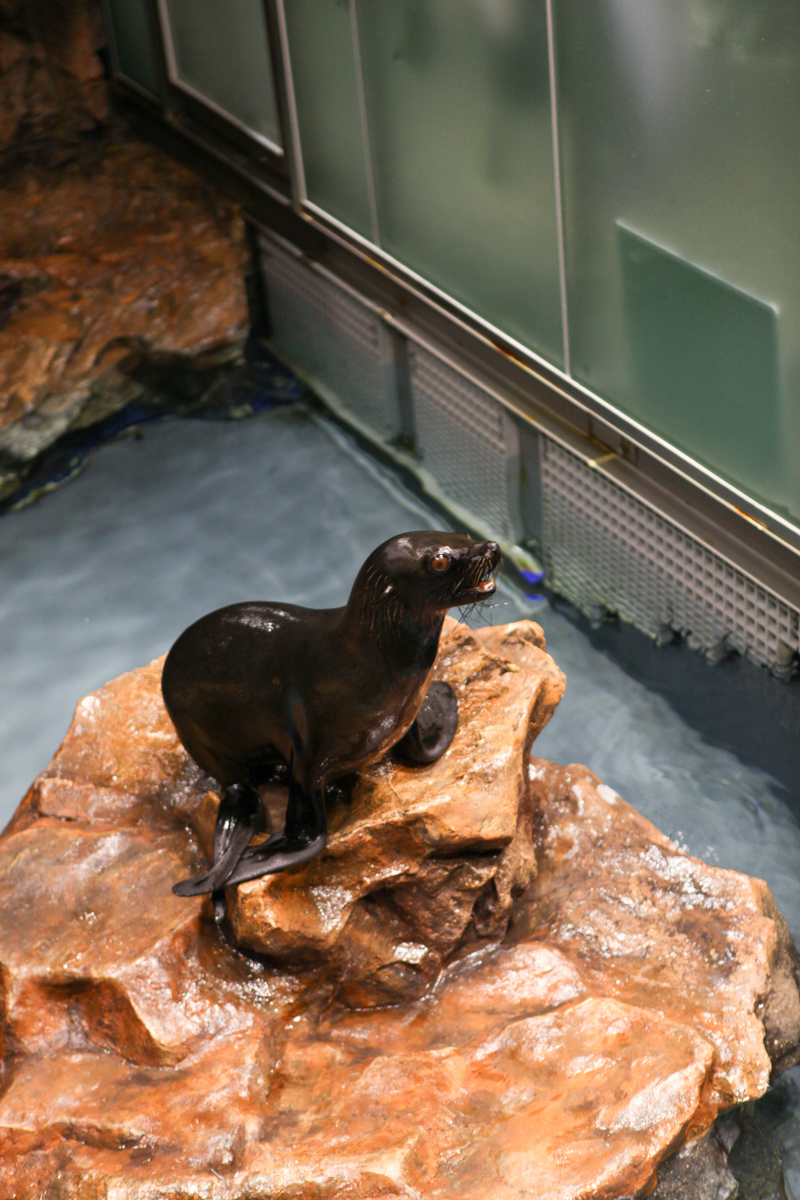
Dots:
(322, 691)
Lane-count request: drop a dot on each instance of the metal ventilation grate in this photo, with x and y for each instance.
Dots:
(338, 344)
(467, 442)
(604, 547)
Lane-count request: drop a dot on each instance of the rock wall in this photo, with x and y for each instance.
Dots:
(115, 258)
(111, 253)
(52, 85)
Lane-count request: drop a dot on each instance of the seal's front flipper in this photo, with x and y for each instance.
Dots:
(434, 728)
(304, 837)
(237, 820)
(278, 854)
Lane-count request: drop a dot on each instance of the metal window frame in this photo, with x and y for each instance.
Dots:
(139, 92)
(262, 148)
(531, 386)
(565, 392)
(704, 545)
(625, 435)
(558, 197)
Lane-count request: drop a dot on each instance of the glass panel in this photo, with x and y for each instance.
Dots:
(133, 38)
(222, 53)
(459, 112)
(328, 113)
(680, 121)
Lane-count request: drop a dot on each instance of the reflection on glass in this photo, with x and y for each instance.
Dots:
(221, 52)
(679, 122)
(328, 111)
(701, 353)
(457, 97)
(134, 42)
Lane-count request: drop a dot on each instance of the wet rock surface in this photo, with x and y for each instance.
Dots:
(651, 925)
(521, 988)
(121, 261)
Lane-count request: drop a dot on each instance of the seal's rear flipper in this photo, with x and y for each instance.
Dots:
(434, 729)
(237, 820)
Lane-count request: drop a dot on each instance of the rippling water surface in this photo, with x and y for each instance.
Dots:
(102, 575)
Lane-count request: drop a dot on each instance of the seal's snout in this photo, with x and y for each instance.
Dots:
(478, 583)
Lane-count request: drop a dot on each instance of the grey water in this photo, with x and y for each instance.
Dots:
(102, 575)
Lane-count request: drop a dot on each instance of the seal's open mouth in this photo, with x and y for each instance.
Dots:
(479, 583)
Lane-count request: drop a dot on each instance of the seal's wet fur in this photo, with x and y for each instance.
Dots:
(322, 691)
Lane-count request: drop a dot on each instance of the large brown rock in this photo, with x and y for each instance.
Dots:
(52, 85)
(650, 925)
(123, 255)
(636, 993)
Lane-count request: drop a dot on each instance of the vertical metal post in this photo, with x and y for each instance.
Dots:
(169, 45)
(294, 149)
(157, 37)
(365, 138)
(559, 200)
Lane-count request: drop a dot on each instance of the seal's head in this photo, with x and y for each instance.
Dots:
(428, 572)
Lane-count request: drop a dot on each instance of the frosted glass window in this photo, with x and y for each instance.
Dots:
(457, 97)
(680, 124)
(220, 51)
(328, 110)
(133, 39)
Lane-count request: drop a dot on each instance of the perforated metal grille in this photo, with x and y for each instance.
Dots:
(466, 441)
(332, 339)
(605, 547)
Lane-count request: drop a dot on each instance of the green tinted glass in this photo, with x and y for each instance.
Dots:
(328, 110)
(221, 53)
(457, 98)
(703, 359)
(133, 39)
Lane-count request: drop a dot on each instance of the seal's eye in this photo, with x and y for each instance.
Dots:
(439, 562)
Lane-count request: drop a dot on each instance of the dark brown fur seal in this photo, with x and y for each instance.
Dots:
(323, 691)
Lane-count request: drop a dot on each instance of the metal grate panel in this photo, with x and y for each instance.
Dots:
(337, 343)
(604, 547)
(468, 443)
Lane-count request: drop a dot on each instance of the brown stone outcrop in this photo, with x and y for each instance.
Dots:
(653, 926)
(123, 254)
(564, 1045)
(52, 85)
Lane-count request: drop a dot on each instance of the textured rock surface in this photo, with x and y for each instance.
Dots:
(651, 925)
(52, 86)
(124, 254)
(625, 1007)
